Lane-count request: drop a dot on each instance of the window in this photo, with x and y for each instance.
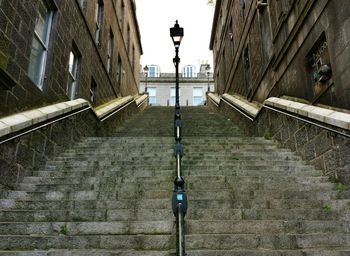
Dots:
(197, 96)
(133, 57)
(242, 9)
(93, 88)
(173, 96)
(110, 51)
(82, 4)
(73, 67)
(119, 70)
(121, 18)
(99, 21)
(40, 44)
(153, 71)
(152, 94)
(319, 67)
(127, 44)
(189, 71)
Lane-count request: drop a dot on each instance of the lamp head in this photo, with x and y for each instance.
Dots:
(176, 34)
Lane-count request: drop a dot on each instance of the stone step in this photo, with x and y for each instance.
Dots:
(167, 242)
(166, 183)
(336, 251)
(167, 227)
(199, 213)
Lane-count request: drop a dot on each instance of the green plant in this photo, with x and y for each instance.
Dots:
(235, 158)
(327, 208)
(340, 187)
(267, 135)
(64, 229)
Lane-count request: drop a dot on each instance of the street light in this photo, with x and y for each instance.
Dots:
(179, 199)
(208, 73)
(145, 69)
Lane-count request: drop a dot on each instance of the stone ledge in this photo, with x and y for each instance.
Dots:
(248, 107)
(214, 97)
(111, 106)
(26, 119)
(140, 99)
(331, 117)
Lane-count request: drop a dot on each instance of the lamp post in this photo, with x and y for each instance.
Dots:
(179, 199)
(208, 73)
(145, 69)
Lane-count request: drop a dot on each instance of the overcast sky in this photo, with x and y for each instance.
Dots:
(155, 18)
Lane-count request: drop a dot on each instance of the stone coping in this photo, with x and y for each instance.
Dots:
(140, 99)
(26, 119)
(214, 97)
(111, 106)
(248, 107)
(331, 117)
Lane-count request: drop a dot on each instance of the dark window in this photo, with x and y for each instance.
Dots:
(93, 90)
(110, 51)
(318, 67)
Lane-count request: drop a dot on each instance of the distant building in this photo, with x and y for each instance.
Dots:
(161, 86)
(52, 51)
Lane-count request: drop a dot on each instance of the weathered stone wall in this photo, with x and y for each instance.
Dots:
(275, 47)
(325, 150)
(73, 27)
(20, 157)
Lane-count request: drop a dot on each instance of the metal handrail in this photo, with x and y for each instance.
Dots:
(341, 133)
(43, 125)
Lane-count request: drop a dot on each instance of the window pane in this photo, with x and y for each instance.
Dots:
(71, 88)
(42, 22)
(36, 61)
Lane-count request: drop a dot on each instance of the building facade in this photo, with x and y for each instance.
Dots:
(281, 71)
(265, 48)
(51, 51)
(161, 86)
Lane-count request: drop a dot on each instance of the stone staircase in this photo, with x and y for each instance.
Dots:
(112, 196)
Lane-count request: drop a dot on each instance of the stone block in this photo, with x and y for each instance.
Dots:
(35, 115)
(339, 119)
(51, 111)
(4, 129)
(16, 122)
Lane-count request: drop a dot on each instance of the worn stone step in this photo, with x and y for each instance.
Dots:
(167, 227)
(167, 242)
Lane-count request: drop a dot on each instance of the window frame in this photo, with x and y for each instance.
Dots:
(39, 75)
(73, 75)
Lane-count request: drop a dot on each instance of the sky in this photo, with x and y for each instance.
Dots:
(155, 17)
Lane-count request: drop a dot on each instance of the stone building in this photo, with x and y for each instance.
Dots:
(52, 51)
(193, 86)
(67, 70)
(297, 51)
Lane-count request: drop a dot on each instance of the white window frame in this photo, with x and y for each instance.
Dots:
(197, 96)
(98, 22)
(110, 52)
(152, 94)
(73, 75)
(45, 45)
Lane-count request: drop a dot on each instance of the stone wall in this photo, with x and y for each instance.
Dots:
(326, 150)
(73, 28)
(20, 157)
